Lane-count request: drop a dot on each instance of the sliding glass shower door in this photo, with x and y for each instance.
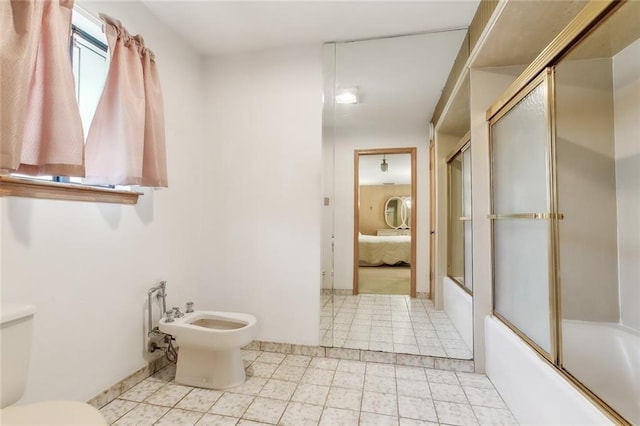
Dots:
(565, 181)
(521, 212)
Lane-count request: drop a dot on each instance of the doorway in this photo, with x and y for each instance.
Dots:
(384, 238)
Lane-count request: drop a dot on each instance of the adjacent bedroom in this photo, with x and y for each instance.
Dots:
(384, 224)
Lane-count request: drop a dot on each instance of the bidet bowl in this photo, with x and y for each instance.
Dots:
(216, 331)
(210, 345)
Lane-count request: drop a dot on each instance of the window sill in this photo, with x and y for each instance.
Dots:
(11, 186)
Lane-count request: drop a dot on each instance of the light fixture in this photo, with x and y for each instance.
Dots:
(347, 95)
(384, 166)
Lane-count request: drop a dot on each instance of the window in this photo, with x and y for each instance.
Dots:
(90, 63)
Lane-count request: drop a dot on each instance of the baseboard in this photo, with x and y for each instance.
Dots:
(426, 361)
(128, 382)
(349, 292)
(158, 364)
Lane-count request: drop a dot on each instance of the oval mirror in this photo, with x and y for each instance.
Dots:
(406, 212)
(393, 212)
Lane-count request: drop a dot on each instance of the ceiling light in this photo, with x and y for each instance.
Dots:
(384, 166)
(347, 95)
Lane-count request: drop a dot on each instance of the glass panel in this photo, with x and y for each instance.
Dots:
(466, 183)
(327, 310)
(90, 71)
(468, 264)
(459, 222)
(389, 76)
(519, 156)
(598, 163)
(521, 276)
(455, 242)
(466, 212)
(521, 246)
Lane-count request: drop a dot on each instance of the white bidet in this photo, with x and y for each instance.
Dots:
(210, 343)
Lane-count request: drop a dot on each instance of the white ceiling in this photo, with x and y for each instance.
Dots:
(399, 80)
(398, 170)
(218, 27)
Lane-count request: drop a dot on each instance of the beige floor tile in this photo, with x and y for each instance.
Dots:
(199, 400)
(265, 410)
(297, 414)
(344, 398)
(177, 416)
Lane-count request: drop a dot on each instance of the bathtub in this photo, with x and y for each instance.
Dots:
(536, 393)
(605, 357)
(458, 304)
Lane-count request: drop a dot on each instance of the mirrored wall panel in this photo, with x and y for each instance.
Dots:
(328, 190)
(382, 91)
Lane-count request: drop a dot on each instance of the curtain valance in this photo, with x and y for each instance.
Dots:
(40, 128)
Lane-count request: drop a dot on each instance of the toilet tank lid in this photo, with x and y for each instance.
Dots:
(13, 311)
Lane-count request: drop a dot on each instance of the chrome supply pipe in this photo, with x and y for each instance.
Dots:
(161, 294)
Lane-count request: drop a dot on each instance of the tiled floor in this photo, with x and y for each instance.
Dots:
(390, 323)
(300, 390)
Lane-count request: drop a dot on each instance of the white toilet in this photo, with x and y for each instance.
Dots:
(16, 327)
(210, 345)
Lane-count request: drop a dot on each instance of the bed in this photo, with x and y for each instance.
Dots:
(376, 250)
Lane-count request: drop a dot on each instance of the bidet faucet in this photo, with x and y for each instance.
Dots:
(177, 313)
(162, 294)
(189, 307)
(169, 316)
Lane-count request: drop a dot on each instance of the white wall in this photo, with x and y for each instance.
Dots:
(486, 86)
(87, 267)
(626, 83)
(263, 195)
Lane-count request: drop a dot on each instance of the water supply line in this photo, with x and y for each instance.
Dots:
(154, 335)
(161, 295)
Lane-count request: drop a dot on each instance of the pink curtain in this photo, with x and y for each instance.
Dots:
(40, 126)
(154, 166)
(126, 141)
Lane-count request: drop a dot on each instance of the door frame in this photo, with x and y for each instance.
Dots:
(356, 210)
(432, 220)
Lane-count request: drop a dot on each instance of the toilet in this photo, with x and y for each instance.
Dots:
(210, 343)
(16, 327)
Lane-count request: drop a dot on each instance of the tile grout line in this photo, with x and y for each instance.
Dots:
(324, 406)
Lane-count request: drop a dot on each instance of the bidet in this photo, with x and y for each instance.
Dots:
(210, 345)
